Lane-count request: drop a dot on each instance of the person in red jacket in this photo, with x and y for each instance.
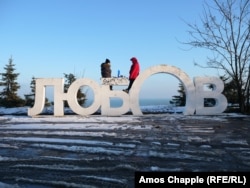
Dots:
(133, 73)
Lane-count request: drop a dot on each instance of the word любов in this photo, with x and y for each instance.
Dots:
(194, 90)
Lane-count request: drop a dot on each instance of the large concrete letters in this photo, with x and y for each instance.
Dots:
(195, 94)
(201, 94)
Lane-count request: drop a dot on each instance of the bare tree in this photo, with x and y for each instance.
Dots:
(225, 31)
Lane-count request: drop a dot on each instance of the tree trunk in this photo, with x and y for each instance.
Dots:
(241, 98)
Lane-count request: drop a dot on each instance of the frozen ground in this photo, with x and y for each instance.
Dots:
(98, 151)
(49, 110)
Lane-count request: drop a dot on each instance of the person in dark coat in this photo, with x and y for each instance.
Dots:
(106, 70)
(133, 73)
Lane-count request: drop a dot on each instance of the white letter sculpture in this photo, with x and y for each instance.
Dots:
(218, 86)
(195, 94)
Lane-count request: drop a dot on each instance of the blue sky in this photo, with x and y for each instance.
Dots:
(48, 38)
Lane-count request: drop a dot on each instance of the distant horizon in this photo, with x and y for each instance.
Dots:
(116, 102)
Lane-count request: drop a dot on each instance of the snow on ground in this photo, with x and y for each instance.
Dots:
(19, 115)
(46, 142)
(16, 118)
(49, 110)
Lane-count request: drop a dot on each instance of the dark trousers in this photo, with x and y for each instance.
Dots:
(130, 84)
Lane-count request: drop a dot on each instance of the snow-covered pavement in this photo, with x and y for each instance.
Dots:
(97, 151)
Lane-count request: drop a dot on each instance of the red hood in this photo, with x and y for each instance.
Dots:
(134, 60)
